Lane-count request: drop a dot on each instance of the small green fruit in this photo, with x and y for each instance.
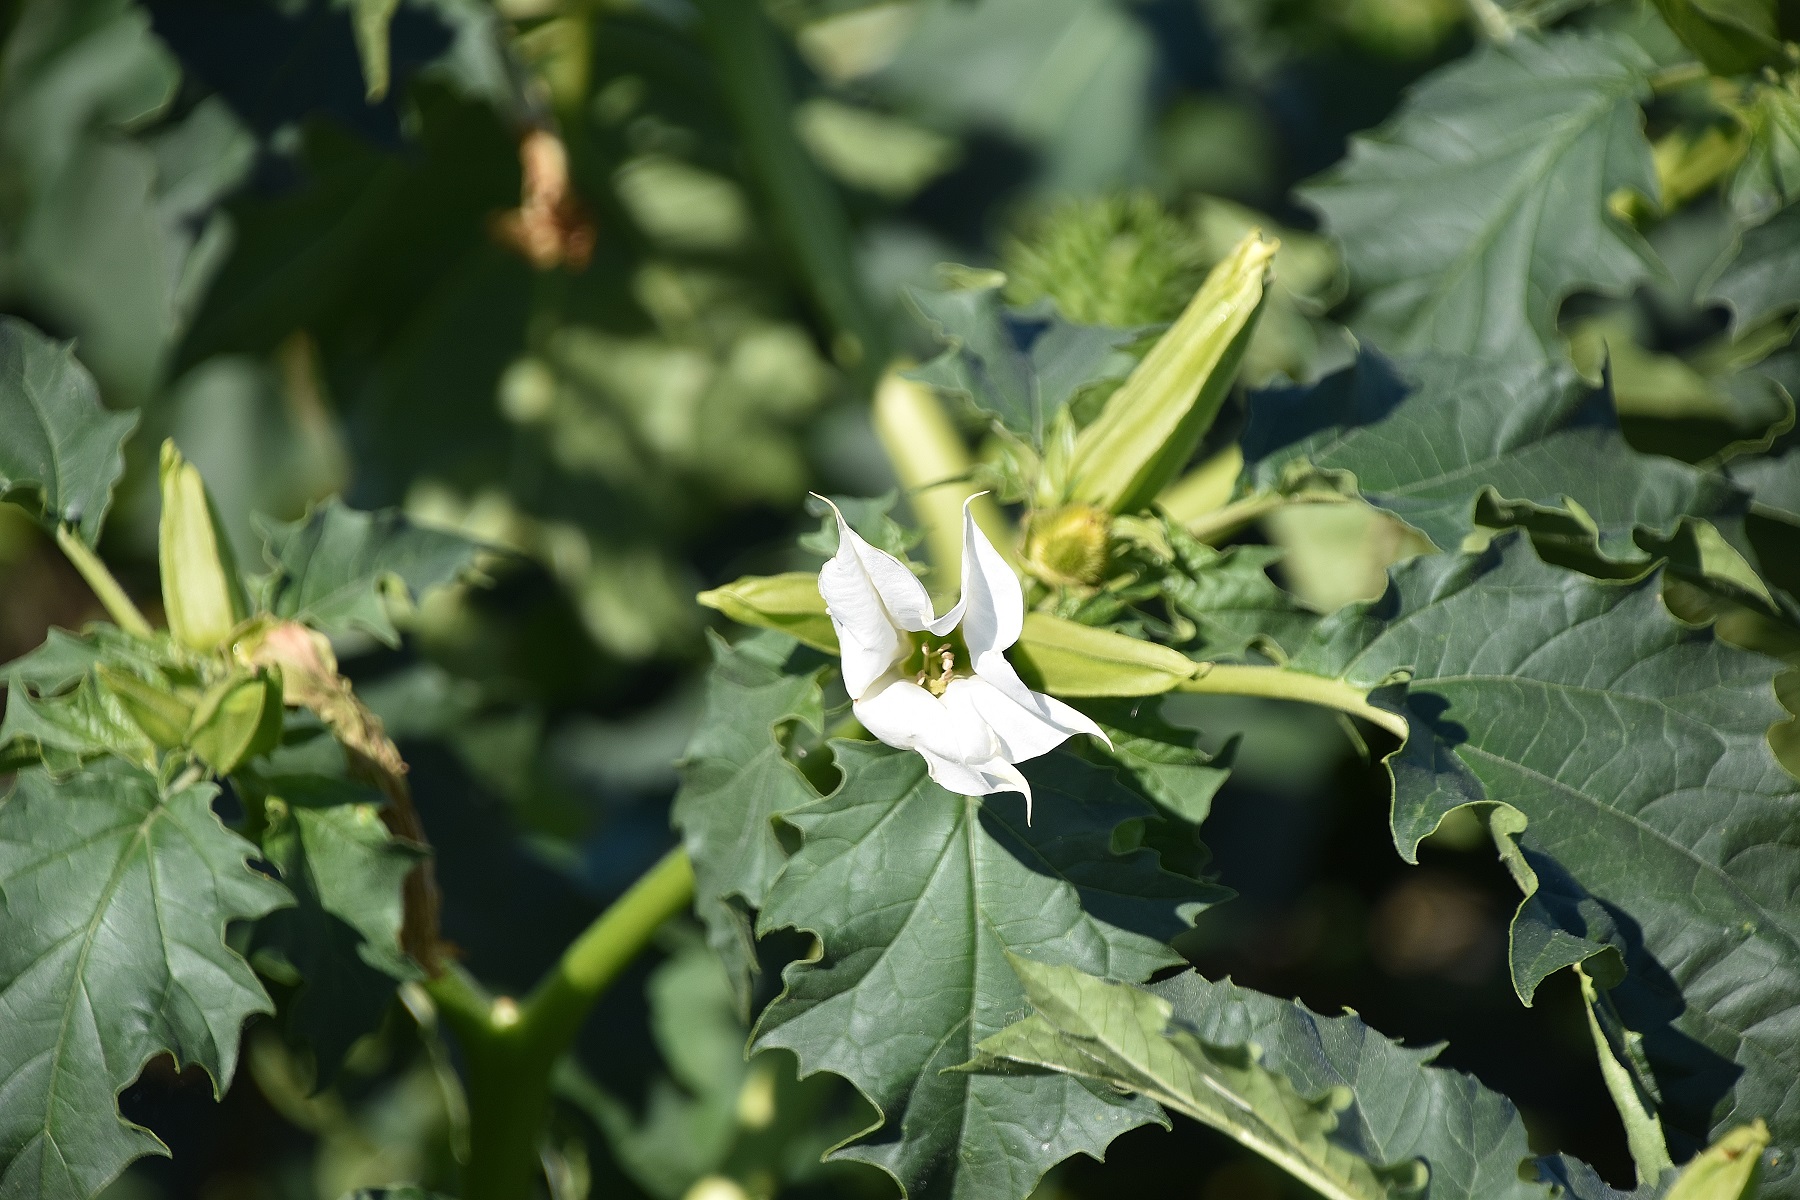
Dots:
(1069, 545)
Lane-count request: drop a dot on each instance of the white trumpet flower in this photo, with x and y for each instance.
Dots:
(942, 685)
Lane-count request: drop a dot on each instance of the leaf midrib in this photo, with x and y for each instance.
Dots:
(79, 984)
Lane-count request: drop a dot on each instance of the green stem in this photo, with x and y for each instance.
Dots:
(932, 462)
(805, 207)
(1221, 523)
(112, 597)
(1279, 683)
(510, 1049)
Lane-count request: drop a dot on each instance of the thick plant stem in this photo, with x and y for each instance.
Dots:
(1278, 683)
(510, 1048)
(806, 209)
(932, 463)
(112, 597)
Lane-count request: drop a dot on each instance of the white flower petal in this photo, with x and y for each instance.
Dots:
(907, 717)
(900, 590)
(993, 669)
(960, 750)
(993, 601)
(870, 638)
(1022, 733)
(976, 779)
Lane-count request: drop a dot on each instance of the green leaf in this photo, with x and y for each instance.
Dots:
(1768, 179)
(1763, 280)
(1425, 439)
(869, 516)
(1732, 37)
(1163, 761)
(61, 452)
(1638, 804)
(65, 731)
(1468, 217)
(915, 894)
(332, 565)
(1020, 367)
(346, 871)
(1401, 1105)
(1231, 600)
(1773, 482)
(1118, 1035)
(65, 658)
(115, 894)
(735, 780)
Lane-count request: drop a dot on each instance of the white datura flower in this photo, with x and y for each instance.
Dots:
(942, 685)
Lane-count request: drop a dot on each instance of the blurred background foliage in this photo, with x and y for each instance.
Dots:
(564, 285)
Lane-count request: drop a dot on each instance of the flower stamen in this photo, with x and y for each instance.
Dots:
(940, 669)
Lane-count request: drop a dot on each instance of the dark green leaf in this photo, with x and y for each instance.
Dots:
(61, 452)
(1118, 1035)
(1773, 482)
(868, 516)
(1732, 37)
(1640, 806)
(1768, 179)
(1164, 761)
(1469, 216)
(1230, 598)
(1019, 367)
(110, 213)
(1763, 280)
(735, 780)
(331, 566)
(65, 658)
(1425, 439)
(1401, 1106)
(343, 935)
(65, 731)
(915, 894)
(115, 894)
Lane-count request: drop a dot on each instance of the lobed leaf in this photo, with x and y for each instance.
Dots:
(115, 894)
(1635, 796)
(61, 451)
(342, 935)
(1763, 279)
(331, 565)
(917, 895)
(1468, 217)
(1401, 1106)
(1768, 179)
(1334, 1102)
(1020, 367)
(1426, 439)
(735, 781)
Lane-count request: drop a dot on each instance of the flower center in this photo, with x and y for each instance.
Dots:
(940, 669)
(936, 663)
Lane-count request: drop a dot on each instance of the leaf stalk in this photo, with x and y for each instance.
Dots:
(1279, 683)
(1221, 523)
(112, 597)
